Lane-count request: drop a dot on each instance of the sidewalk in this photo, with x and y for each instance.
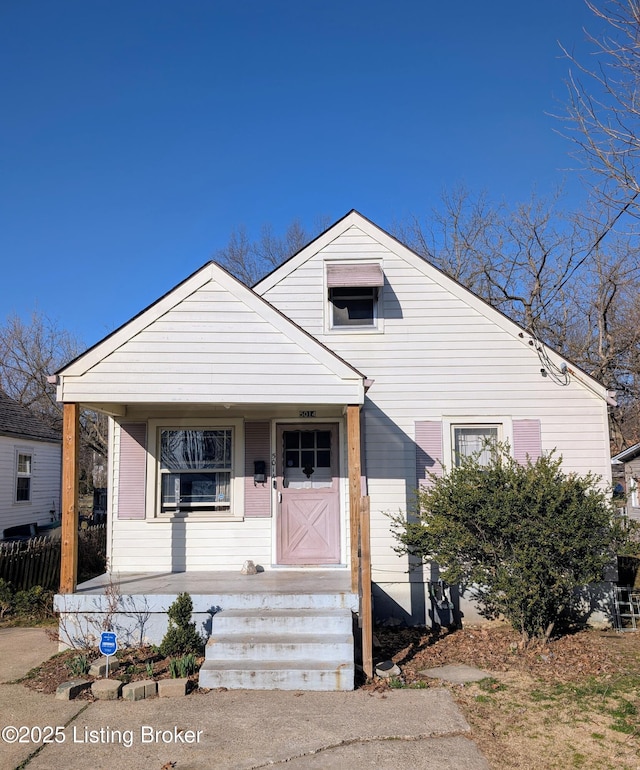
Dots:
(232, 730)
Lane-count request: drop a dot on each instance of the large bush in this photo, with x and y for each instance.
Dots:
(523, 538)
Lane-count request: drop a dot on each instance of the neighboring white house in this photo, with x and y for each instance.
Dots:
(30, 459)
(630, 460)
(230, 410)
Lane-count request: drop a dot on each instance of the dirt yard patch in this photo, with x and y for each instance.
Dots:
(573, 703)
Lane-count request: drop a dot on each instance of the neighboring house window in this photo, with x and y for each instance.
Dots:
(635, 498)
(471, 440)
(353, 294)
(23, 477)
(196, 467)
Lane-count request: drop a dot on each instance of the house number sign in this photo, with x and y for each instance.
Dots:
(308, 413)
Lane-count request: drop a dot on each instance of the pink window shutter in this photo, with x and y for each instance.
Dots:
(527, 440)
(428, 438)
(257, 446)
(132, 476)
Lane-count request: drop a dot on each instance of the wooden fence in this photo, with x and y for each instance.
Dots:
(36, 562)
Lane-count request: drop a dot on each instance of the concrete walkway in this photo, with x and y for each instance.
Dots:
(228, 730)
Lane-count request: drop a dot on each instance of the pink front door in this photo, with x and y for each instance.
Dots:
(308, 522)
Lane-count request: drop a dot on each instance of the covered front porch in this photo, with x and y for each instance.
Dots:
(233, 435)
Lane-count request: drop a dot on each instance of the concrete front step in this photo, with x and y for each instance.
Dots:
(273, 675)
(287, 601)
(284, 647)
(280, 648)
(297, 621)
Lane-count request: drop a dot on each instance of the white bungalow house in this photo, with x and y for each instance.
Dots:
(30, 461)
(249, 424)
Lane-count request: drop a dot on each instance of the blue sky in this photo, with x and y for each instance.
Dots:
(135, 134)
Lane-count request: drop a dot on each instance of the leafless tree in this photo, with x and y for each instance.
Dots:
(519, 259)
(29, 353)
(553, 273)
(250, 260)
(603, 109)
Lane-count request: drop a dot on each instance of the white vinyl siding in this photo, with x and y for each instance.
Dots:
(443, 356)
(44, 485)
(215, 347)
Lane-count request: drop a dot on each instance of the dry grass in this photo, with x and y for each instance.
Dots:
(574, 703)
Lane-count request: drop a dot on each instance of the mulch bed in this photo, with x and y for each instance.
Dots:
(496, 647)
(133, 668)
(493, 647)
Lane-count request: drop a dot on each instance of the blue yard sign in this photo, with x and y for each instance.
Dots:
(108, 643)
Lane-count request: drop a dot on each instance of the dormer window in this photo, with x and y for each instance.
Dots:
(355, 306)
(353, 294)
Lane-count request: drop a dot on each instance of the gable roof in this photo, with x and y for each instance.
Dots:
(214, 308)
(355, 219)
(19, 422)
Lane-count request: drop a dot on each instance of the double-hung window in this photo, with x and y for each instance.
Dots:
(474, 440)
(196, 469)
(23, 477)
(353, 295)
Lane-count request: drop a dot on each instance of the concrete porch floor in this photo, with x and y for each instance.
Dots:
(330, 581)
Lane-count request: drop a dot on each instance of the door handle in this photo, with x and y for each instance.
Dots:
(279, 497)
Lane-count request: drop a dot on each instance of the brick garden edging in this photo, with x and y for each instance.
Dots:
(114, 689)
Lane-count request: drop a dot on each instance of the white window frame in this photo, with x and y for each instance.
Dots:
(23, 452)
(635, 497)
(503, 424)
(154, 473)
(368, 328)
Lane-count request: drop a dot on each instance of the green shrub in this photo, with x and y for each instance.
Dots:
(522, 537)
(35, 603)
(181, 636)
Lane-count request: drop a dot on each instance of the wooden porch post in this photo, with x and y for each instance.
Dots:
(353, 458)
(366, 614)
(69, 544)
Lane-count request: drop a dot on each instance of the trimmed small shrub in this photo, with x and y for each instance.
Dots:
(181, 637)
